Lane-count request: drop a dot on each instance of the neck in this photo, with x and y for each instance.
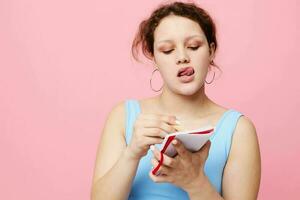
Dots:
(183, 106)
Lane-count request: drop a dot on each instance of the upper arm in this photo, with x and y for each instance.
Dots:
(241, 178)
(112, 141)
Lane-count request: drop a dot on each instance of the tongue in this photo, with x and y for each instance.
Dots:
(187, 72)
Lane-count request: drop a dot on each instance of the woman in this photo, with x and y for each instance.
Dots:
(180, 38)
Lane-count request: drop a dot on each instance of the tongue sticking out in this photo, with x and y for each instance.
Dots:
(187, 72)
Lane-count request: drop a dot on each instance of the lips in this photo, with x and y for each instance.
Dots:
(185, 71)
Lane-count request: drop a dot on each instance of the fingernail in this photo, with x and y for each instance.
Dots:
(174, 142)
(152, 147)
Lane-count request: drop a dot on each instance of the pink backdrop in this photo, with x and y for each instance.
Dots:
(65, 63)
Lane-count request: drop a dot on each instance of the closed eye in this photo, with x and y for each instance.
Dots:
(168, 52)
(193, 48)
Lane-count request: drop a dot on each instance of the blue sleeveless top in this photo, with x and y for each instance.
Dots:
(144, 188)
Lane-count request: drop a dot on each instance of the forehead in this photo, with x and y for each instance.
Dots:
(177, 28)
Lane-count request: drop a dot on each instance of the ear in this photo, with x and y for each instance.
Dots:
(212, 48)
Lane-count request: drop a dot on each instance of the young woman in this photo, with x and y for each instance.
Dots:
(180, 39)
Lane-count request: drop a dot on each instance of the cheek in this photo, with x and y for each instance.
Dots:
(163, 58)
(202, 55)
(166, 64)
(168, 73)
(201, 61)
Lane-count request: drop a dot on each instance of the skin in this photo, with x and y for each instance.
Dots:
(188, 103)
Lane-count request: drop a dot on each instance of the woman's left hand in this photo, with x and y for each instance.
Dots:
(185, 170)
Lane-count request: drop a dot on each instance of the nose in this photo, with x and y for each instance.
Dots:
(182, 57)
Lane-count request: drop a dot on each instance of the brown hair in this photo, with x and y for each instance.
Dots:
(145, 35)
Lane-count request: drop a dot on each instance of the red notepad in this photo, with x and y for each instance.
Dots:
(193, 140)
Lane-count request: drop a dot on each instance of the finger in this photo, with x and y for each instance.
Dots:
(152, 140)
(167, 161)
(170, 119)
(207, 146)
(163, 170)
(154, 123)
(154, 162)
(154, 132)
(178, 127)
(161, 178)
(205, 149)
(181, 150)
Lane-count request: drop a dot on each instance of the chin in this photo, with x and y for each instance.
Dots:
(189, 89)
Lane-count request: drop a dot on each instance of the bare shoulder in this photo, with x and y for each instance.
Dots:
(243, 168)
(117, 115)
(112, 135)
(244, 138)
(118, 108)
(245, 126)
(116, 118)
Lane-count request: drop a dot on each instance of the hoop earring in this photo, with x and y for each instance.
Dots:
(211, 80)
(151, 81)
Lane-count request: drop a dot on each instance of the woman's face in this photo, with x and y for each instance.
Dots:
(178, 43)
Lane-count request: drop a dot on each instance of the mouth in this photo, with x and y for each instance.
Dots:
(185, 71)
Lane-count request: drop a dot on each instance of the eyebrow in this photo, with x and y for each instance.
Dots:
(187, 38)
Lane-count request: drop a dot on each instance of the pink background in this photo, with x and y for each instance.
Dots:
(64, 64)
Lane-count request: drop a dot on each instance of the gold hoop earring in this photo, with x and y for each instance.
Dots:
(151, 81)
(211, 80)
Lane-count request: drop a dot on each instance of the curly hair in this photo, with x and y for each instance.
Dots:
(144, 37)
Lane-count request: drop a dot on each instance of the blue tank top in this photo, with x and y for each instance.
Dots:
(144, 188)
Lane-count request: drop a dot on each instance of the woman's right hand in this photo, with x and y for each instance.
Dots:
(149, 129)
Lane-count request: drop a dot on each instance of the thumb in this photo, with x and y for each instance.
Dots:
(206, 147)
(204, 151)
